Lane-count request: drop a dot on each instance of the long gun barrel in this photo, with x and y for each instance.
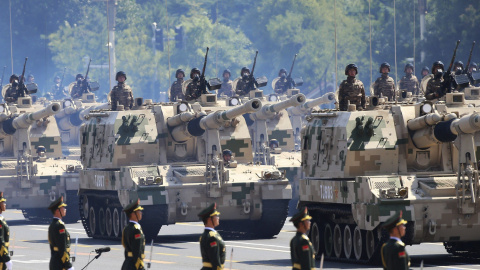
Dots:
(302, 108)
(254, 64)
(204, 64)
(433, 132)
(453, 59)
(185, 125)
(25, 120)
(469, 59)
(70, 117)
(269, 111)
(20, 91)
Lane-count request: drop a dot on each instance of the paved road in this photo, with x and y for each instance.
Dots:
(177, 247)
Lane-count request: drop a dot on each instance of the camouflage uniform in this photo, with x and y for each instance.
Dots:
(226, 89)
(77, 91)
(10, 95)
(434, 86)
(133, 240)
(176, 90)
(351, 90)
(122, 93)
(193, 91)
(59, 240)
(301, 249)
(385, 86)
(280, 85)
(212, 246)
(410, 83)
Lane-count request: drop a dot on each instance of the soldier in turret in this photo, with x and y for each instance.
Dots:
(351, 90)
(473, 67)
(409, 82)
(176, 92)
(133, 239)
(301, 249)
(5, 262)
(58, 237)
(425, 71)
(435, 86)
(122, 93)
(78, 88)
(10, 93)
(227, 86)
(385, 85)
(457, 68)
(243, 83)
(195, 88)
(394, 255)
(282, 80)
(212, 246)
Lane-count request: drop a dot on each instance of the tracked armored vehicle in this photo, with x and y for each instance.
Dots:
(362, 166)
(32, 174)
(169, 156)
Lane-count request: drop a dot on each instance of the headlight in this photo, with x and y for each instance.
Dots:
(273, 98)
(427, 108)
(182, 107)
(67, 103)
(234, 102)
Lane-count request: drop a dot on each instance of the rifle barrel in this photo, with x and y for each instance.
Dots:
(453, 58)
(469, 59)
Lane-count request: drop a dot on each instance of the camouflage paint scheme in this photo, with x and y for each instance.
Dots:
(31, 183)
(140, 154)
(365, 171)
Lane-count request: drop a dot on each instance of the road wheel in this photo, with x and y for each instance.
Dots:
(124, 220)
(370, 244)
(108, 221)
(328, 243)
(347, 241)
(337, 240)
(92, 220)
(85, 205)
(315, 237)
(358, 243)
(116, 223)
(101, 221)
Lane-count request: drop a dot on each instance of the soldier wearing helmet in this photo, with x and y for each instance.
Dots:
(281, 82)
(425, 71)
(457, 68)
(10, 93)
(351, 90)
(409, 82)
(435, 86)
(57, 91)
(176, 92)
(122, 93)
(196, 87)
(384, 85)
(243, 85)
(227, 85)
(473, 67)
(80, 87)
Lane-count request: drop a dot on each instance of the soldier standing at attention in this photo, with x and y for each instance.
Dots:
(122, 93)
(409, 82)
(227, 86)
(5, 262)
(394, 255)
(425, 71)
(58, 237)
(78, 89)
(435, 86)
(301, 249)
(133, 239)
(176, 92)
(282, 80)
(212, 246)
(351, 90)
(243, 85)
(385, 85)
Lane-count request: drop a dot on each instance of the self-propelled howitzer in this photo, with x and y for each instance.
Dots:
(170, 157)
(361, 167)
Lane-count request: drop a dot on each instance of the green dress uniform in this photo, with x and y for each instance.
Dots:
(133, 240)
(212, 246)
(59, 240)
(301, 249)
(4, 239)
(394, 255)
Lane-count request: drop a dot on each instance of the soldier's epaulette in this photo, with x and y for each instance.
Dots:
(61, 222)
(305, 237)
(400, 243)
(137, 226)
(212, 233)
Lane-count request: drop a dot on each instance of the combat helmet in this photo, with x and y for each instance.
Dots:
(227, 71)
(384, 64)
(178, 72)
(193, 71)
(437, 64)
(78, 76)
(350, 66)
(13, 77)
(120, 73)
(282, 71)
(227, 152)
(409, 65)
(458, 64)
(243, 70)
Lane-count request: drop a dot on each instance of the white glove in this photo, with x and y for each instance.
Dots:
(71, 268)
(9, 265)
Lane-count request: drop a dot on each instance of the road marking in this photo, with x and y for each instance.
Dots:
(167, 254)
(194, 257)
(450, 267)
(162, 262)
(255, 244)
(189, 224)
(265, 249)
(32, 261)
